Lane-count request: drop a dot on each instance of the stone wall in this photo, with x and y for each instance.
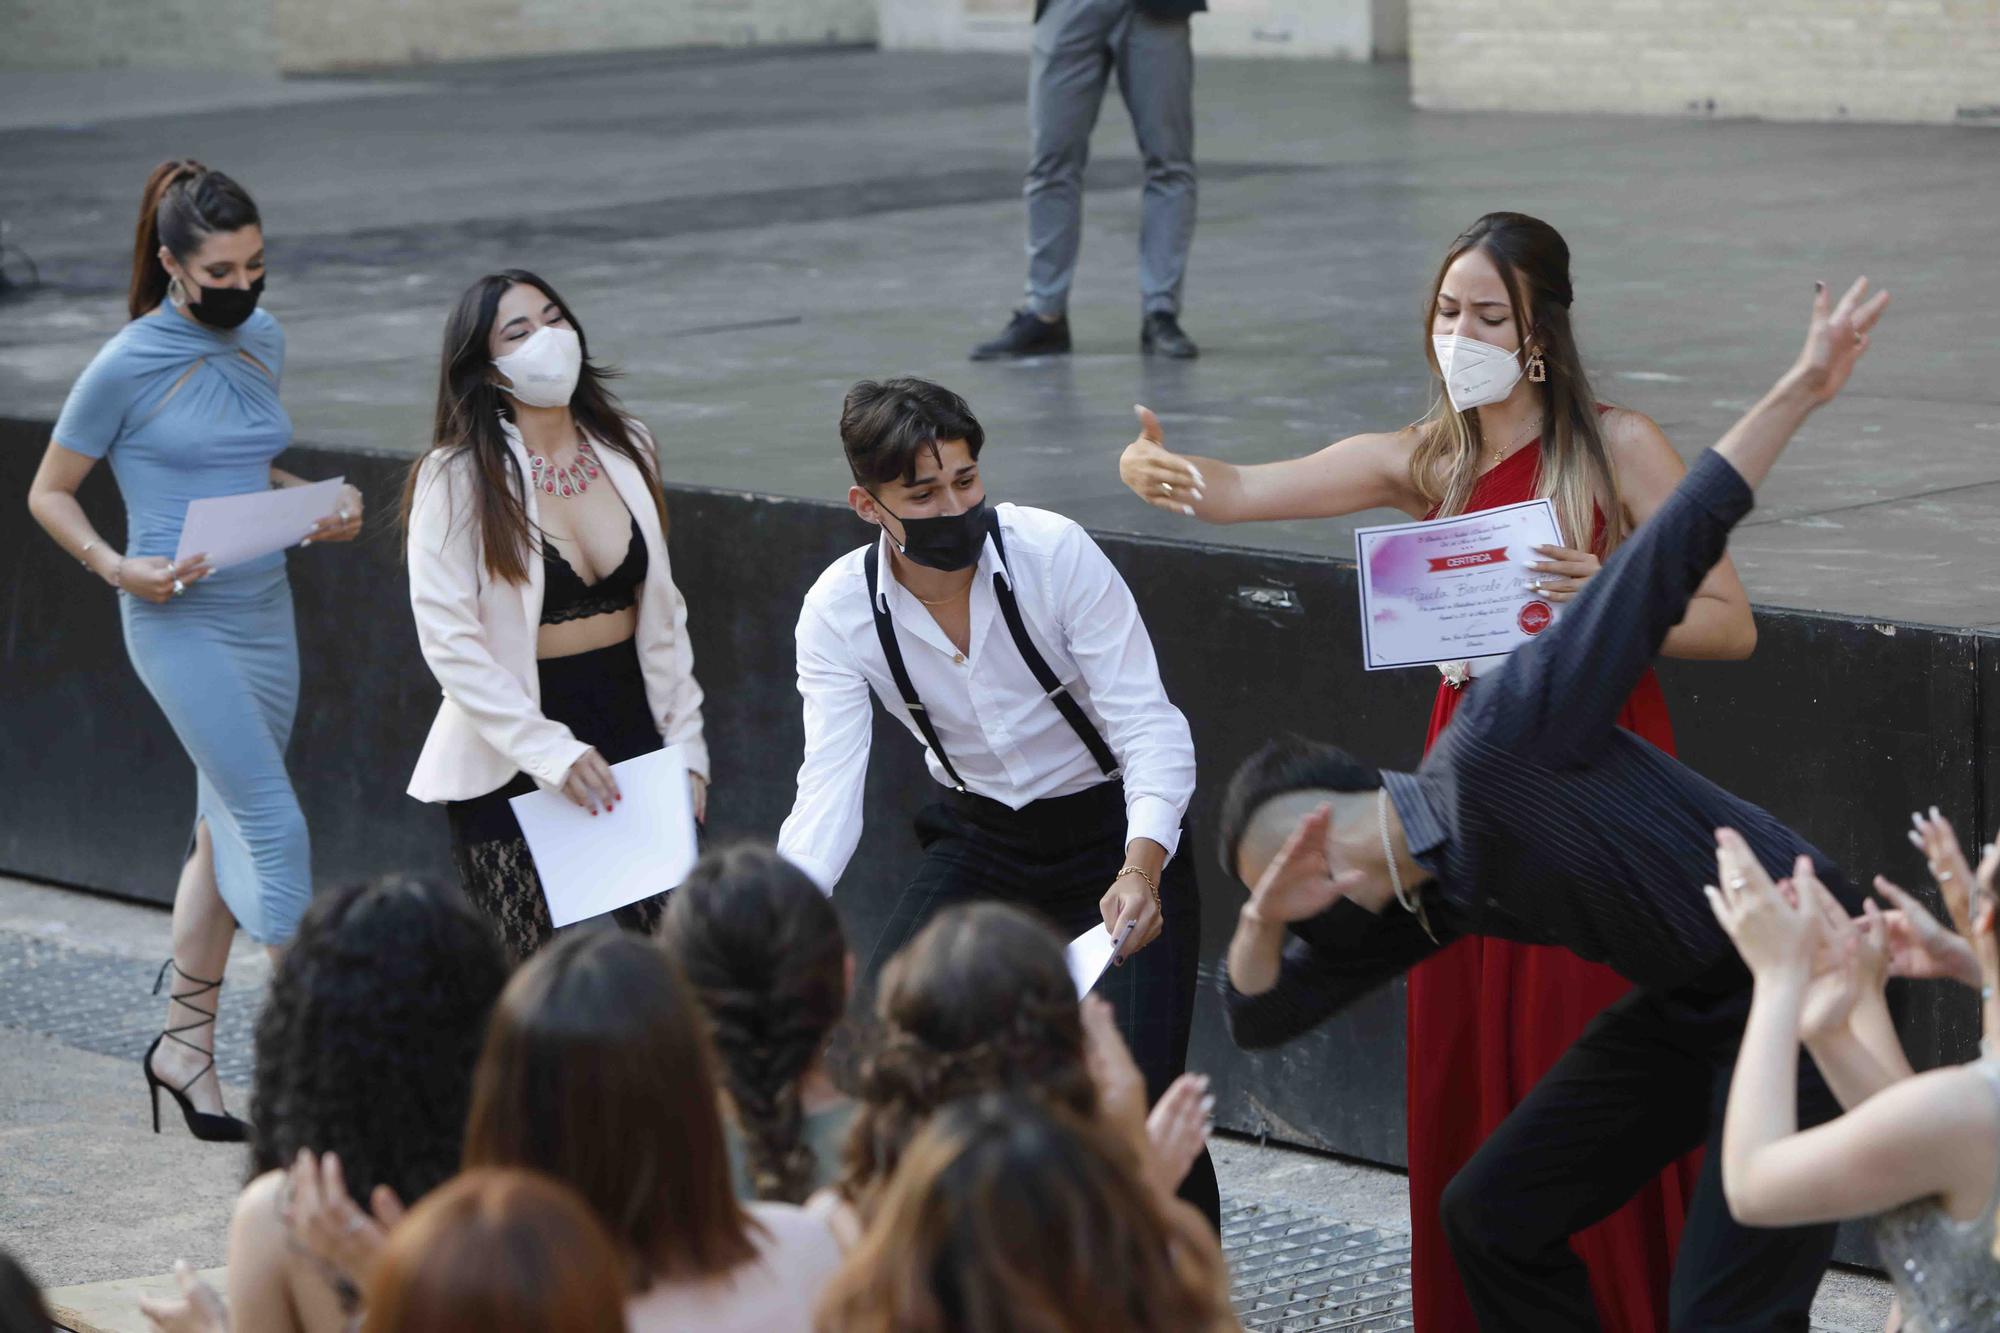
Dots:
(1345, 29)
(304, 36)
(1934, 61)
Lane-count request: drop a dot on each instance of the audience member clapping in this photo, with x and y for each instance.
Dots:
(365, 1051)
(1011, 1212)
(498, 1251)
(764, 950)
(1921, 1152)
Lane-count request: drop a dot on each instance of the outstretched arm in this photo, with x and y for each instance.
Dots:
(1360, 472)
(1560, 693)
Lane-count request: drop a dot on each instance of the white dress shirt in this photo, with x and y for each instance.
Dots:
(1004, 736)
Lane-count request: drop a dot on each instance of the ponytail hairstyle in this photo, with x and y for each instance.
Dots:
(764, 950)
(184, 204)
(470, 408)
(980, 1001)
(1533, 260)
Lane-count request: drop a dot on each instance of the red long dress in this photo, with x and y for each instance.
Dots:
(1487, 1018)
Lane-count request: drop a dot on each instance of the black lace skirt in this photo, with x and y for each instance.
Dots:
(601, 697)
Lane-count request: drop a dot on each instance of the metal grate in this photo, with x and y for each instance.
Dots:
(1295, 1271)
(104, 1003)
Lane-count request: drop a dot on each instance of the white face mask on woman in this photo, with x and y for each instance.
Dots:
(543, 370)
(1475, 373)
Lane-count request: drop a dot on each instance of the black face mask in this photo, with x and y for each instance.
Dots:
(950, 543)
(226, 307)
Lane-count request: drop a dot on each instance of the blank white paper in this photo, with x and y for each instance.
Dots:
(1089, 957)
(592, 864)
(231, 529)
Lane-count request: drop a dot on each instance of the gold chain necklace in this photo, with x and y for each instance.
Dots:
(1500, 454)
(946, 601)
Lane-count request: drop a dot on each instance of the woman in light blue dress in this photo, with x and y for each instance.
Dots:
(183, 402)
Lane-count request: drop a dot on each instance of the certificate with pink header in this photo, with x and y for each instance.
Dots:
(1453, 589)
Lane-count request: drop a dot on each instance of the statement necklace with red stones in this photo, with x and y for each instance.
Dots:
(574, 479)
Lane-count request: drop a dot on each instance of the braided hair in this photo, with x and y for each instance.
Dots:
(980, 1001)
(764, 950)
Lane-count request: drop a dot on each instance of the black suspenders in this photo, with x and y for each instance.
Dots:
(1010, 610)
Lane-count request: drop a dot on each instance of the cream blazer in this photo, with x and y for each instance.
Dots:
(478, 635)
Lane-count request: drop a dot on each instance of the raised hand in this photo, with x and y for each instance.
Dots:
(1836, 338)
(1917, 946)
(1300, 881)
(1932, 834)
(1838, 981)
(329, 1224)
(1162, 479)
(1774, 934)
(198, 1309)
(1177, 1130)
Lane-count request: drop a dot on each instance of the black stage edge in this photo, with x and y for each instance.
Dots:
(1839, 726)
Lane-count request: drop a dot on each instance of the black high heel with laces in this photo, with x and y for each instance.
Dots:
(204, 1125)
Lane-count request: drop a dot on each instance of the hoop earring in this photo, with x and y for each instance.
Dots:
(1538, 373)
(174, 292)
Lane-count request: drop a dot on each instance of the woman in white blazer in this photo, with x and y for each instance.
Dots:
(536, 538)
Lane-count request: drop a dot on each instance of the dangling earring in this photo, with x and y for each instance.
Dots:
(1537, 372)
(174, 292)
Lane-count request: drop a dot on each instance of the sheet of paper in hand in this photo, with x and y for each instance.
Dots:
(230, 529)
(1452, 589)
(591, 864)
(1089, 955)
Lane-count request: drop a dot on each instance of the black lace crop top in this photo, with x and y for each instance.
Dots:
(566, 597)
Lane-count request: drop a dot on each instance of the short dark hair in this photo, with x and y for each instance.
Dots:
(1288, 764)
(886, 424)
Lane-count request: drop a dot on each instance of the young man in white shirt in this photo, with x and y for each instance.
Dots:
(1010, 648)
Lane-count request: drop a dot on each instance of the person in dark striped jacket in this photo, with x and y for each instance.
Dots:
(1535, 818)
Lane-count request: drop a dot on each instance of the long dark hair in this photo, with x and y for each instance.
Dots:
(764, 950)
(1533, 260)
(1009, 1213)
(597, 1071)
(366, 1044)
(980, 1001)
(498, 1251)
(470, 408)
(184, 203)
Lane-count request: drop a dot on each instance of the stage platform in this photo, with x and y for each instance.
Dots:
(746, 233)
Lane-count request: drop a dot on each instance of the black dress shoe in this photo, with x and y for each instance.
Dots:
(1027, 334)
(1162, 333)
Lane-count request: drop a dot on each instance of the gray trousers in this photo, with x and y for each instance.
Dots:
(1078, 43)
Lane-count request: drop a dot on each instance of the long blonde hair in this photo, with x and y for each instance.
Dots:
(1533, 260)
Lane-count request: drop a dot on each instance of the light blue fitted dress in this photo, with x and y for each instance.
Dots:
(182, 413)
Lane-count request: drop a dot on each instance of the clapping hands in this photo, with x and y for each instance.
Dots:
(1775, 931)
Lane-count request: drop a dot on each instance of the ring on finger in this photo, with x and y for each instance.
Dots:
(179, 587)
(1166, 488)
(1737, 881)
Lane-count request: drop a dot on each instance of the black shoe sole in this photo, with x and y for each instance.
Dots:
(1146, 348)
(1027, 355)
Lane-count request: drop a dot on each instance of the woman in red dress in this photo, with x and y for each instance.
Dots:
(1517, 421)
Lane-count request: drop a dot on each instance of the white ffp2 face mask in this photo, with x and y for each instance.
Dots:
(1475, 373)
(543, 370)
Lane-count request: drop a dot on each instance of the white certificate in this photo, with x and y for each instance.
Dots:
(590, 864)
(231, 529)
(1453, 589)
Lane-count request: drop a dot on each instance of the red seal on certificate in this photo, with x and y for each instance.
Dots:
(1535, 617)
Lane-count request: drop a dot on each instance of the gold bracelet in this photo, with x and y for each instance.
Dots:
(1151, 885)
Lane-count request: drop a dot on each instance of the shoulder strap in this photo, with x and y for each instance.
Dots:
(885, 630)
(1058, 693)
